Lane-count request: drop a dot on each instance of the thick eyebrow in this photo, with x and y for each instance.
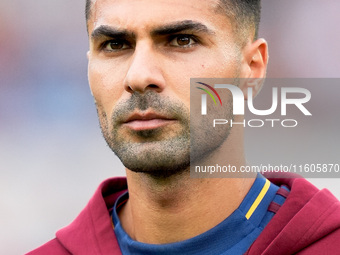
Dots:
(111, 32)
(168, 29)
(180, 26)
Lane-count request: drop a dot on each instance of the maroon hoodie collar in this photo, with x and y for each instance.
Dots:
(92, 232)
(306, 216)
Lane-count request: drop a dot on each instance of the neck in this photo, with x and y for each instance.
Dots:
(177, 208)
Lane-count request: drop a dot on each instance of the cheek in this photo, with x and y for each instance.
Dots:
(106, 85)
(178, 80)
(200, 68)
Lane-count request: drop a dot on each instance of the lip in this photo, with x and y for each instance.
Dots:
(147, 121)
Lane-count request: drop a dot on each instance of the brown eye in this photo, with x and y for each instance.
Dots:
(182, 41)
(115, 45)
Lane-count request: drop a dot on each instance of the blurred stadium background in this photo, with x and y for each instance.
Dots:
(52, 155)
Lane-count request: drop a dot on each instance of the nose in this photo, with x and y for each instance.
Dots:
(144, 72)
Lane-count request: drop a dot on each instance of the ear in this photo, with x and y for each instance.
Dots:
(256, 57)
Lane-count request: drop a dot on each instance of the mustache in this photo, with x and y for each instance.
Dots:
(139, 102)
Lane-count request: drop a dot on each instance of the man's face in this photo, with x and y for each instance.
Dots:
(142, 56)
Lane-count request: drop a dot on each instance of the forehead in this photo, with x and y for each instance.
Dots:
(145, 14)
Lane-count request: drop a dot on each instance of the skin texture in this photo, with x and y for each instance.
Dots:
(146, 73)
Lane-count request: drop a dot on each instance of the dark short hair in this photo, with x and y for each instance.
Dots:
(88, 9)
(244, 14)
